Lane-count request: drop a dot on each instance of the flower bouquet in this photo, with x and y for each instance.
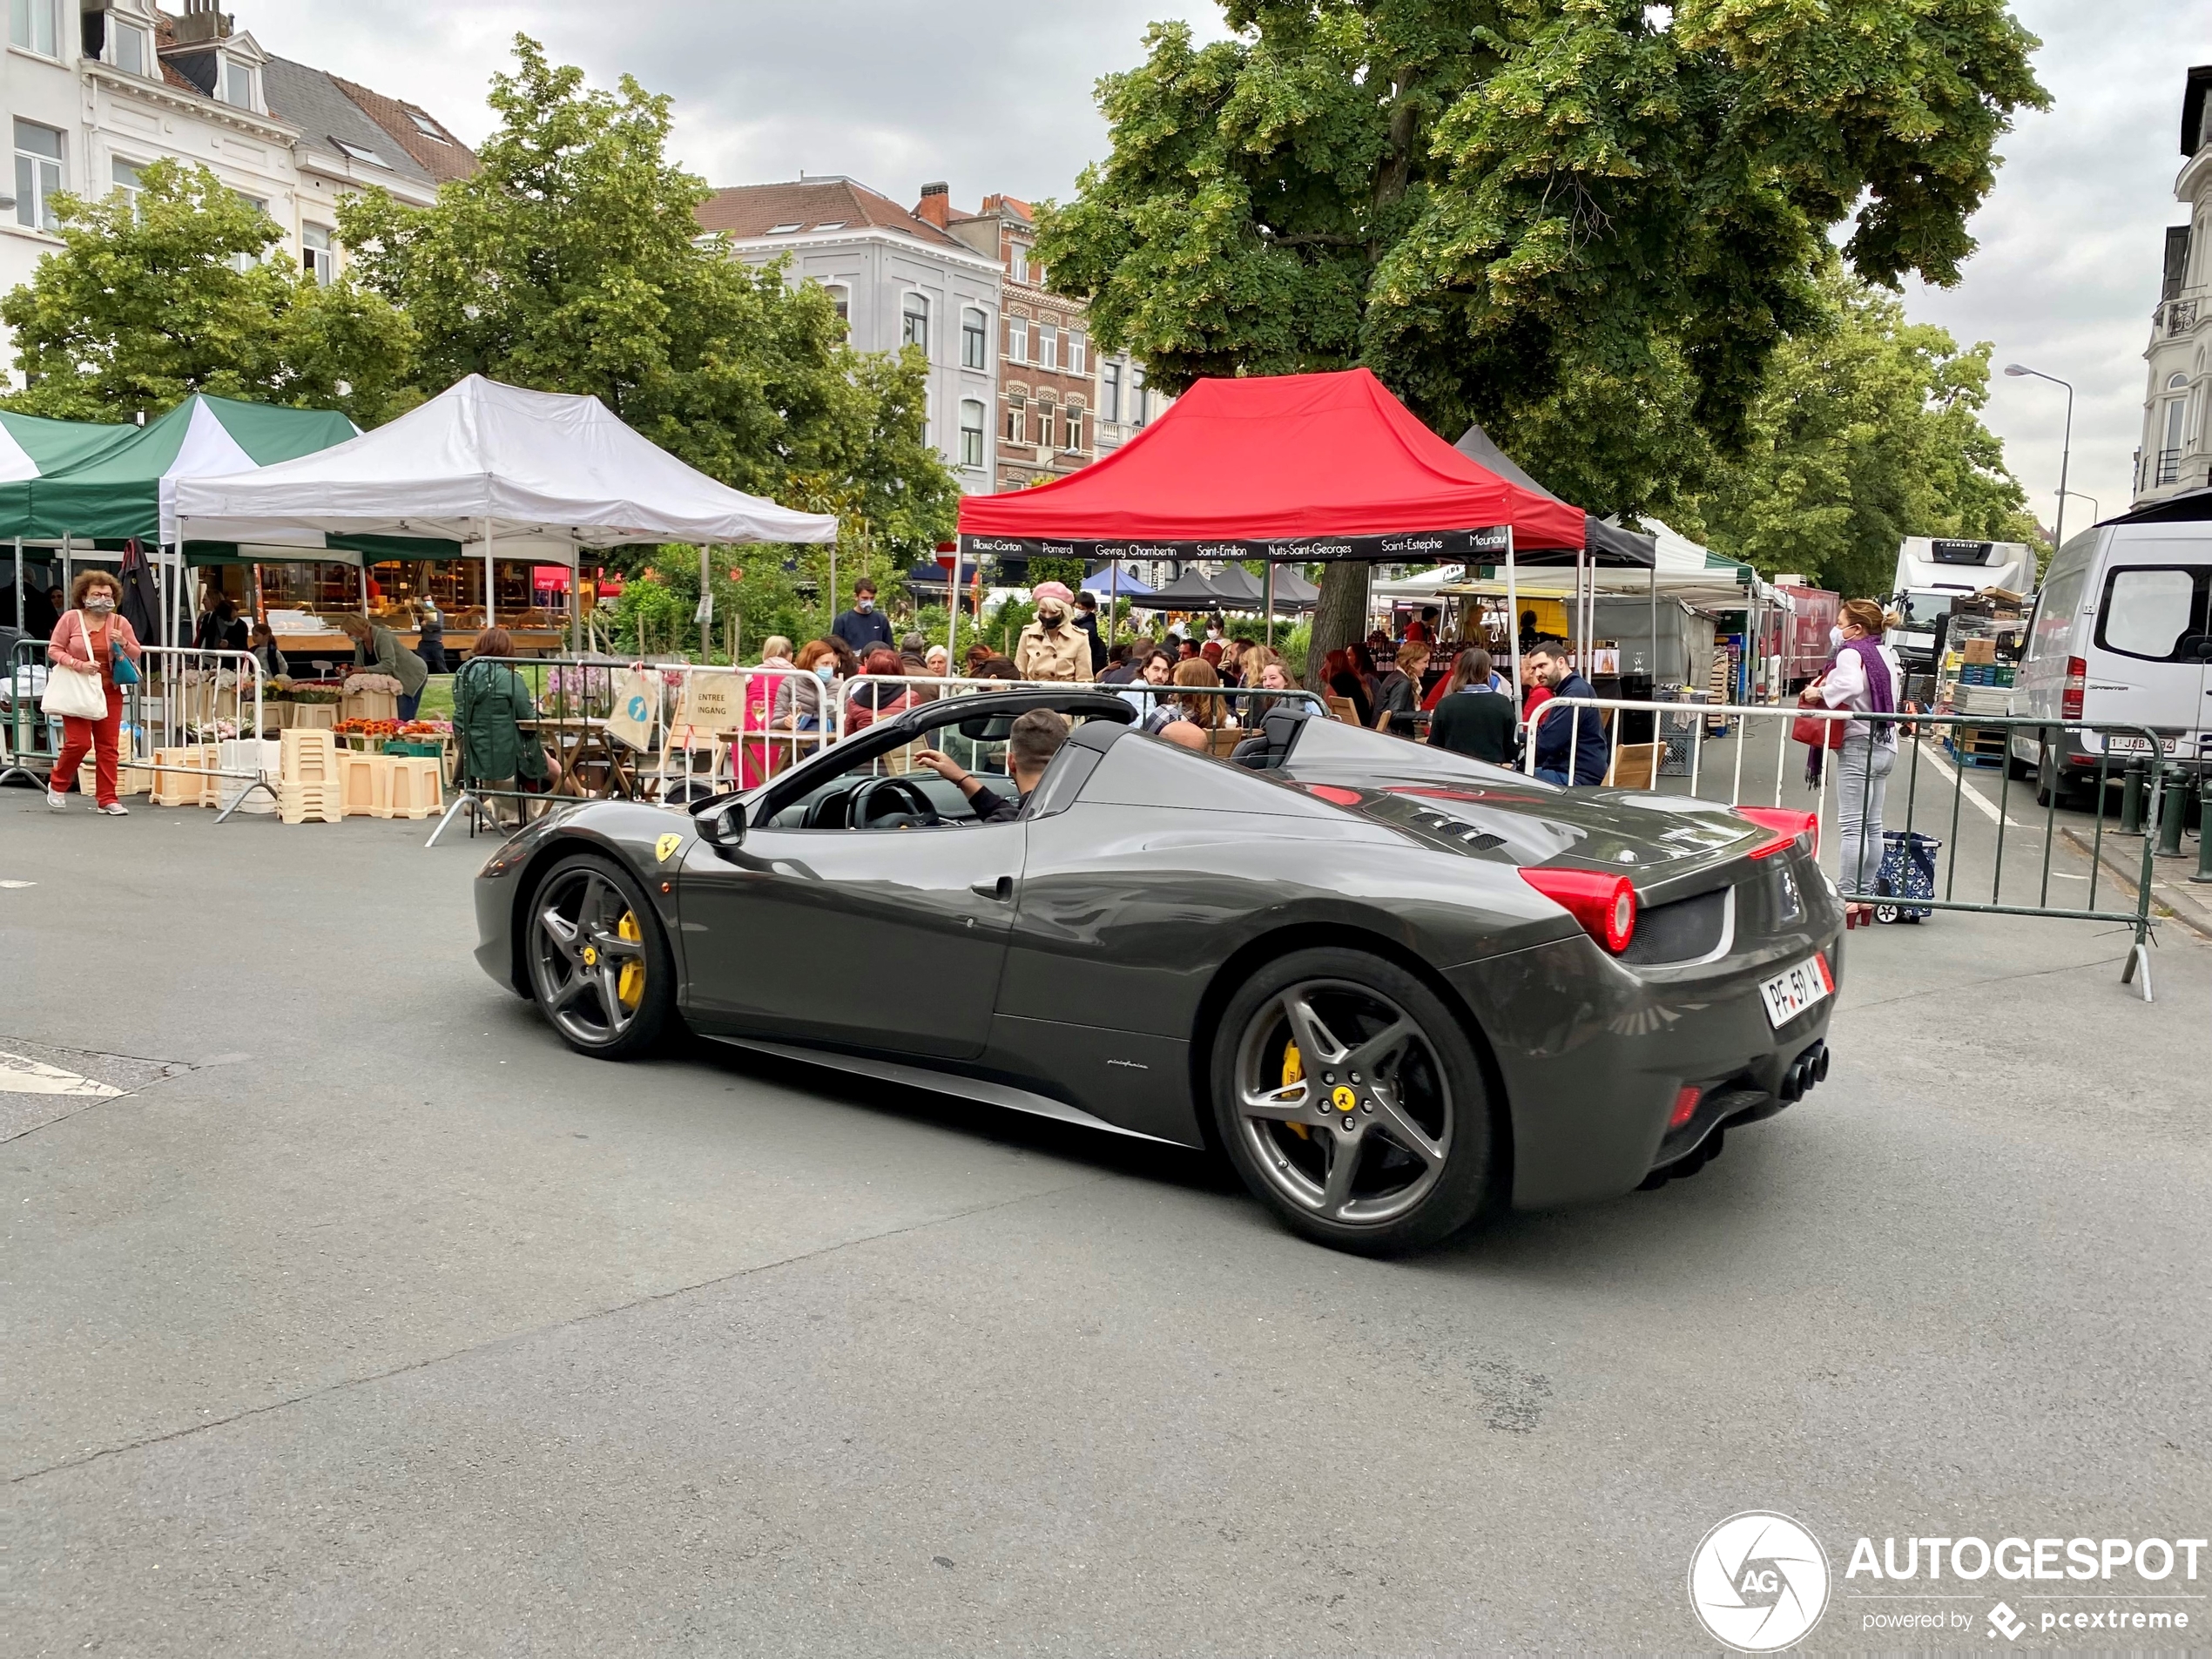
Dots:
(358, 683)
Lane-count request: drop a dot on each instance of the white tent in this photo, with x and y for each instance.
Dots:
(537, 475)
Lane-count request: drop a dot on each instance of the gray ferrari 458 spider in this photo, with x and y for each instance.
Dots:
(1395, 987)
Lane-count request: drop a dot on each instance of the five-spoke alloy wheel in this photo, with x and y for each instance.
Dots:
(1351, 1102)
(600, 964)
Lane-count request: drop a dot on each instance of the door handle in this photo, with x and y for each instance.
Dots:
(1003, 889)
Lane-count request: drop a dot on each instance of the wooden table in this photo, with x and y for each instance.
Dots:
(583, 748)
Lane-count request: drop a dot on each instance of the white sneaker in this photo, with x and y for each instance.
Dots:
(114, 809)
(56, 799)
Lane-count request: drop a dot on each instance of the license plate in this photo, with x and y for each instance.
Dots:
(1792, 991)
(2120, 743)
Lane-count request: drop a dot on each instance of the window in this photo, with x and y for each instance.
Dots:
(974, 340)
(127, 49)
(39, 174)
(1075, 419)
(1047, 343)
(841, 298)
(237, 85)
(1109, 389)
(1138, 397)
(125, 174)
(360, 152)
(243, 260)
(971, 432)
(783, 230)
(427, 127)
(913, 329)
(831, 225)
(2150, 613)
(35, 25)
(1014, 422)
(318, 257)
(1019, 263)
(1017, 340)
(1075, 353)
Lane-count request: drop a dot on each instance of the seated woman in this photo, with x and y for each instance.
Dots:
(1470, 718)
(1196, 677)
(490, 702)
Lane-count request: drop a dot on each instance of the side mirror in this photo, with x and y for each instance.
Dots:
(722, 829)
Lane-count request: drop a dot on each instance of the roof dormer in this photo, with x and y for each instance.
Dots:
(226, 66)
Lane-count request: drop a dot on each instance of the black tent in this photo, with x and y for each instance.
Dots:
(1607, 543)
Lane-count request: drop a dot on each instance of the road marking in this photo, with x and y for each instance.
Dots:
(1984, 807)
(19, 1076)
(17, 884)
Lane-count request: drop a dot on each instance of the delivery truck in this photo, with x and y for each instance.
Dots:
(1932, 571)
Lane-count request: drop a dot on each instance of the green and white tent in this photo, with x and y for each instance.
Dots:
(121, 490)
(33, 447)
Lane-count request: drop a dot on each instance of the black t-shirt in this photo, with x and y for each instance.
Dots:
(1476, 724)
(991, 807)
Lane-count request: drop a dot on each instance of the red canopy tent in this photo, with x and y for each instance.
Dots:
(1298, 468)
(1291, 468)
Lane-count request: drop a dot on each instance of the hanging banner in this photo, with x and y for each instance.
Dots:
(1421, 547)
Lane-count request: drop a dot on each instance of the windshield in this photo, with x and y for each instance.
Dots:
(1921, 607)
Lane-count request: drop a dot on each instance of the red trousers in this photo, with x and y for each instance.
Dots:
(99, 735)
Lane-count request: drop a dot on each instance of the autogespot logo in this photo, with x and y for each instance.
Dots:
(1758, 1582)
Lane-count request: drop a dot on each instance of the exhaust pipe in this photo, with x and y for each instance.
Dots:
(1807, 1070)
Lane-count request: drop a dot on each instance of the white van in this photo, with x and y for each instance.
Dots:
(2120, 633)
(1932, 572)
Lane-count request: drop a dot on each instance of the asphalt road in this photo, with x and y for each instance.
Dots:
(346, 1310)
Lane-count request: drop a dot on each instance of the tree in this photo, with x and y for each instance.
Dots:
(572, 261)
(175, 292)
(1868, 430)
(1549, 215)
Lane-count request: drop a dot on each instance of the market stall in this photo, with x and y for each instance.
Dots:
(1293, 469)
(31, 446)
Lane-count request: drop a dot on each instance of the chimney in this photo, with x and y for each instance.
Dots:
(201, 22)
(936, 205)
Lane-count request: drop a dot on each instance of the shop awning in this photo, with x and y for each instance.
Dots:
(33, 447)
(1300, 469)
(543, 475)
(121, 488)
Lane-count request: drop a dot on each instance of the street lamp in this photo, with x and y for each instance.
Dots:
(2066, 449)
(2096, 512)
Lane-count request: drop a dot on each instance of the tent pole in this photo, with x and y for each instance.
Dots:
(19, 584)
(706, 596)
(66, 572)
(1113, 600)
(576, 603)
(1651, 664)
(952, 606)
(1270, 635)
(489, 589)
(1513, 622)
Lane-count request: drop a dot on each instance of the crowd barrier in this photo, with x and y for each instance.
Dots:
(1928, 828)
(183, 699)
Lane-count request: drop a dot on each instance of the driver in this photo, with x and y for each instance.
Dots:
(1035, 738)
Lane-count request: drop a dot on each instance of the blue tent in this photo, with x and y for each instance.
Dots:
(1103, 581)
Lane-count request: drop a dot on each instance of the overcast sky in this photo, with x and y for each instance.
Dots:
(995, 96)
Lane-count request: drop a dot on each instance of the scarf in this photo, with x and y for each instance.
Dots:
(1881, 696)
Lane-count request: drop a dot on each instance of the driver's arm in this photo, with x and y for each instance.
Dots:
(991, 807)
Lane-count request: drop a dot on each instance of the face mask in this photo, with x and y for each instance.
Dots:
(1213, 633)
(864, 605)
(1835, 638)
(99, 603)
(825, 672)
(1050, 616)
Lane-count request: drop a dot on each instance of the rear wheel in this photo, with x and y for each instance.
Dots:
(1352, 1104)
(600, 964)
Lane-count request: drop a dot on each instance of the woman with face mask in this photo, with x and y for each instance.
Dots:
(88, 640)
(1052, 648)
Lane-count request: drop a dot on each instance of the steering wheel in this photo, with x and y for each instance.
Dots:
(891, 803)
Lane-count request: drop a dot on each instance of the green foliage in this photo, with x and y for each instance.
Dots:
(1292, 646)
(1071, 571)
(1558, 216)
(145, 306)
(1868, 429)
(665, 613)
(572, 262)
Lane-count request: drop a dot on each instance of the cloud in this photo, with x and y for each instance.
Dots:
(997, 96)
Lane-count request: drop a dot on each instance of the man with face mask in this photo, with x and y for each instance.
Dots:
(863, 627)
(1052, 648)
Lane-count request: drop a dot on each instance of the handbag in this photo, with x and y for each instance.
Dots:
(1817, 733)
(73, 694)
(125, 671)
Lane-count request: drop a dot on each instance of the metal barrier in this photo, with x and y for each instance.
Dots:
(1918, 737)
(179, 702)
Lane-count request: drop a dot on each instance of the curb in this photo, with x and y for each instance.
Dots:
(2178, 899)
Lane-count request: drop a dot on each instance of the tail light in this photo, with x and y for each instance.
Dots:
(1605, 904)
(1801, 829)
(1686, 1099)
(2077, 682)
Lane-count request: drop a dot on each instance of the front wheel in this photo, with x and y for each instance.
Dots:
(1351, 1102)
(600, 964)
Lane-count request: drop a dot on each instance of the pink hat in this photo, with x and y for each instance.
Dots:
(1052, 591)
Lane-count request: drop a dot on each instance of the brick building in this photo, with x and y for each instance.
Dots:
(1046, 422)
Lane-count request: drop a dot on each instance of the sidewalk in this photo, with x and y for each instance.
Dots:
(2172, 893)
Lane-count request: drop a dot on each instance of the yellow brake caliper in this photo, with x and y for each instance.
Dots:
(631, 987)
(1293, 1072)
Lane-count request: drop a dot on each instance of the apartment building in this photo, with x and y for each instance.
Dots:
(98, 90)
(2176, 452)
(897, 280)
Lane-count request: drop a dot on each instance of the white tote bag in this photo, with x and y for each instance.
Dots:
(69, 693)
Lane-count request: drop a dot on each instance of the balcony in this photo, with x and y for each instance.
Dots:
(2173, 317)
(2166, 469)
